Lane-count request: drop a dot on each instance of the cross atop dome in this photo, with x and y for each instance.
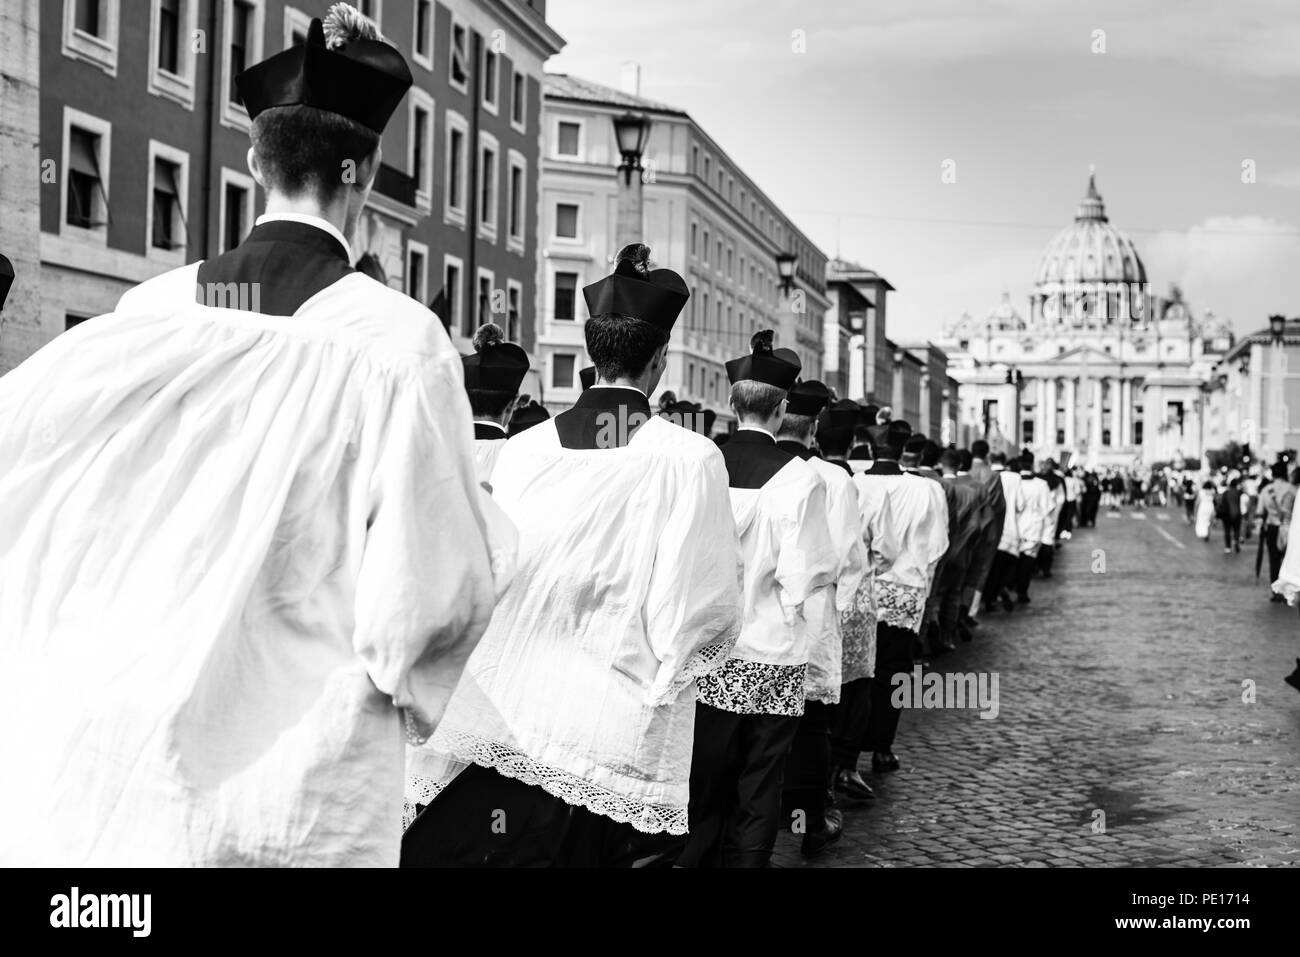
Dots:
(1091, 207)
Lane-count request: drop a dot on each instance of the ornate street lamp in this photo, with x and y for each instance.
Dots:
(1277, 400)
(785, 269)
(1277, 327)
(631, 131)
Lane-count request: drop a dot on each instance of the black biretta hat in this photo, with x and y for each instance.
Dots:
(524, 419)
(345, 68)
(763, 365)
(495, 365)
(807, 398)
(842, 414)
(656, 296)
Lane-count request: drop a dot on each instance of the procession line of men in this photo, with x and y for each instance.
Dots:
(243, 554)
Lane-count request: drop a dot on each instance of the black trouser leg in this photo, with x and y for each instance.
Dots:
(893, 656)
(750, 835)
(713, 770)
(849, 728)
(1025, 573)
(808, 768)
(1274, 556)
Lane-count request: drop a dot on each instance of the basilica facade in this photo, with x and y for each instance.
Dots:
(1098, 369)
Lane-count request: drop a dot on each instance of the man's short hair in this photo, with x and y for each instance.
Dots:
(834, 441)
(931, 453)
(622, 346)
(1279, 470)
(305, 150)
(979, 449)
(998, 458)
(796, 426)
(488, 403)
(964, 460)
(756, 400)
(950, 459)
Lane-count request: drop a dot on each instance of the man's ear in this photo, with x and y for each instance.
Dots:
(369, 167)
(255, 167)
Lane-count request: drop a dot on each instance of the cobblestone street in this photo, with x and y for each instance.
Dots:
(1120, 693)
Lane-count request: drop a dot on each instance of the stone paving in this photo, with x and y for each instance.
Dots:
(1120, 694)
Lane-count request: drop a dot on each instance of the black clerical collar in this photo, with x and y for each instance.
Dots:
(751, 437)
(300, 234)
(884, 467)
(797, 449)
(614, 397)
(488, 430)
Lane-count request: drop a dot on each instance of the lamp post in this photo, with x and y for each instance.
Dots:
(1016, 378)
(631, 131)
(785, 269)
(1277, 414)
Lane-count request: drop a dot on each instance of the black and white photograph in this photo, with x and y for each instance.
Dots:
(511, 434)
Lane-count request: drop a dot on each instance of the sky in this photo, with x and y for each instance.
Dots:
(847, 114)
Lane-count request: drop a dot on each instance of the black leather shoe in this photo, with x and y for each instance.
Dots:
(814, 842)
(882, 763)
(1008, 604)
(849, 782)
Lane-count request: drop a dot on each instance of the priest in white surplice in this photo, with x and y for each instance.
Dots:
(808, 774)
(242, 544)
(749, 709)
(569, 737)
(493, 373)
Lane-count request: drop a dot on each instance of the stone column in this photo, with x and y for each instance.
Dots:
(21, 332)
(1116, 418)
(1126, 424)
(1094, 420)
(1071, 411)
(1049, 415)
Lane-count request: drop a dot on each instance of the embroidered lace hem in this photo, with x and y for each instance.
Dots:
(751, 687)
(646, 818)
(704, 661)
(419, 790)
(900, 605)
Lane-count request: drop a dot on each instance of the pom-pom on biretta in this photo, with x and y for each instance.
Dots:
(764, 364)
(495, 365)
(638, 255)
(488, 335)
(345, 24)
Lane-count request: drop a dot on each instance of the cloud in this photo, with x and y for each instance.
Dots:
(1241, 267)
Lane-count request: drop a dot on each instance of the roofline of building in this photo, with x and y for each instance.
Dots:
(742, 177)
(1263, 337)
(534, 27)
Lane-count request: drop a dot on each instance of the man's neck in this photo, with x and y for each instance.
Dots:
(805, 442)
(335, 212)
(640, 385)
(771, 427)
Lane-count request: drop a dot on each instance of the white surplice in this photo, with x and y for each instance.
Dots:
(628, 589)
(910, 515)
(1014, 493)
(824, 607)
(236, 550)
(1032, 521)
(789, 556)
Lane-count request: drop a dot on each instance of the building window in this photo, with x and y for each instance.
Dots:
(566, 296)
(244, 21)
(491, 69)
(694, 237)
(566, 221)
(423, 53)
(1027, 433)
(454, 194)
(420, 146)
(562, 364)
(169, 182)
(483, 297)
(568, 138)
(169, 45)
(487, 186)
(708, 168)
(704, 312)
(718, 262)
(519, 101)
(417, 271)
(454, 295)
(296, 25)
(514, 297)
(706, 247)
(458, 62)
(90, 32)
(236, 214)
(87, 146)
(516, 212)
